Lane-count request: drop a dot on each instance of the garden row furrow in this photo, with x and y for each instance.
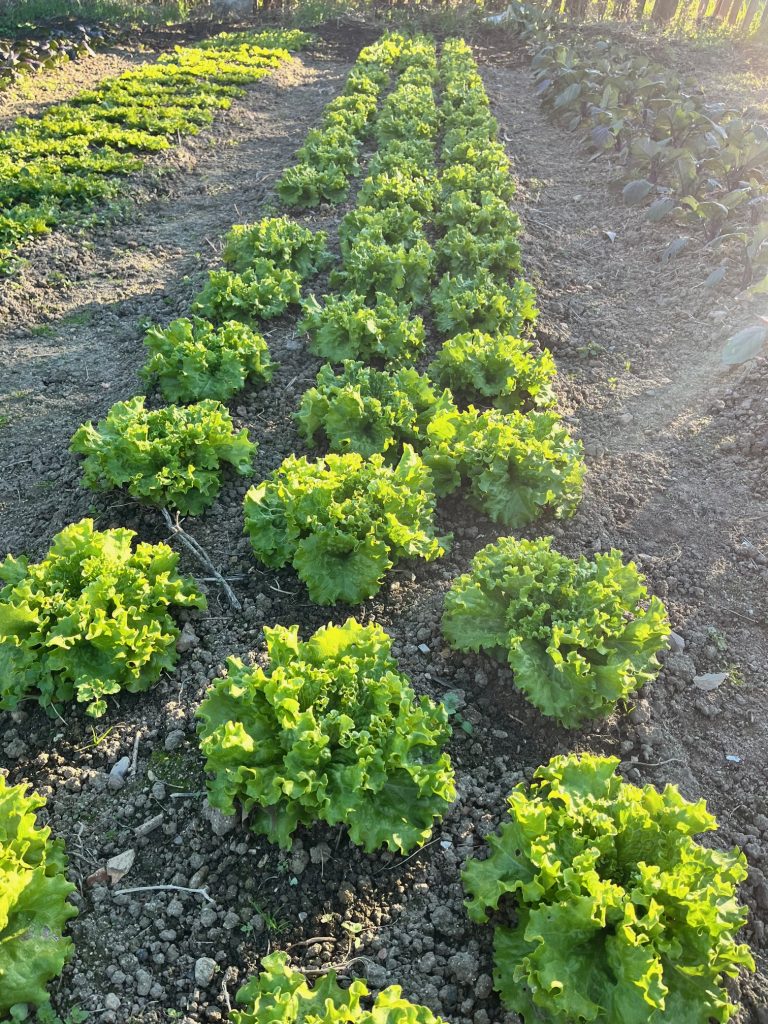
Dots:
(620, 914)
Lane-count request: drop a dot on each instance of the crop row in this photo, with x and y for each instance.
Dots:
(698, 163)
(62, 166)
(620, 913)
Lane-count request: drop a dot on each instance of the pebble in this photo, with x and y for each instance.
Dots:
(676, 643)
(143, 982)
(118, 773)
(188, 639)
(221, 824)
(111, 1001)
(205, 968)
(464, 968)
(173, 740)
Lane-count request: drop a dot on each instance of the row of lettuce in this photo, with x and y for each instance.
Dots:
(66, 165)
(620, 913)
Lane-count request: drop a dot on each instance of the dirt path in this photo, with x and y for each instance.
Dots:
(637, 351)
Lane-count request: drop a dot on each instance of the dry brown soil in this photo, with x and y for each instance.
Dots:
(676, 446)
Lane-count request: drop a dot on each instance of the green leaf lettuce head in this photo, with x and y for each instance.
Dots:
(329, 731)
(516, 465)
(484, 303)
(478, 367)
(620, 914)
(90, 620)
(33, 902)
(579, 634)
(365, 410)
(170, 457)
(281, 994)
(343, 521)
(346, 327)
(280, 239)
(192, 360)
(261, 292)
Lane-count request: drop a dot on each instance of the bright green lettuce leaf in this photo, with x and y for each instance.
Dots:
(329, 731)
(365, 410)
(343, 521)
(280, 239)
(499, 367)
(33, 901)
(579, 634)
(90, 620)
(261, 292)
(373, 267)
(284, 996)
(169, 457)
(192, 360)
(620, 914)
(347, 327)
(516, 465)
(483, 302)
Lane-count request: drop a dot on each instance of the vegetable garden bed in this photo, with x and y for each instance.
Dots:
(394, 919)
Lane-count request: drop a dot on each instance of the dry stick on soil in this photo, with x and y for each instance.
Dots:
(316, 972)
(165, 888)
(201, 555)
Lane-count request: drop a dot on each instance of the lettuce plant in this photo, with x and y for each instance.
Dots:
(343, 521)
(192, 360)
(476, 181)
(461, 250)
(33, 902)
(169, 457)
(482, 302)
(346, 327)
(280, 239)
(488, 216)
(329, 731)
(281, 994)
(394, 225)
(90, 620)
(397, 188)
(365, 410)
(620, 914)
(495, 367)
(261, 292)
(372, 267)
(516, 465)
(305, 185)
(579, 634)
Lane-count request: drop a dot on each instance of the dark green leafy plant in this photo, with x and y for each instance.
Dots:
(259, 293)
(372, 267)
(343, 521)
(90, 620)
(620, 914)
(305, 185)
(580, 635)
(169, 457)
(281, 994)
(329, 731)
(192, 360)
(516, 465)
(346, 327)
(496, 367)
(280, 239)
(33, 902)
(366, 411)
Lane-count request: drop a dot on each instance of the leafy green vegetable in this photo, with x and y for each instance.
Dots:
(261, 292)
(305, 185)
(33, 901)
(372, 267)
(169, 457)
(343, 521)
(481, 302)
(516, 465)
(460, 249)
(90, 620)
(620, 914)
(399, 188)
(281, 994)
(192, 360)
(499, 367)
(329, 731)
(365, 410)
(579, 635)
(394, 225)
(280, 239)
(345, 327)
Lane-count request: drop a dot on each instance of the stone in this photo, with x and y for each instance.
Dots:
(112, 1001)
(221, 824)
(205, 968)
(143, 982)
(118, 773)
(173, 740)
(188, 639)
(464, 968)
(119, 865)
(676, 643)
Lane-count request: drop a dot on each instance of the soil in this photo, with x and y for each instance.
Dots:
(675, 446)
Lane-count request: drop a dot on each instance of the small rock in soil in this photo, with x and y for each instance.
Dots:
(205, 968)
(118, 773)
(173, 740)
(188, 639)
